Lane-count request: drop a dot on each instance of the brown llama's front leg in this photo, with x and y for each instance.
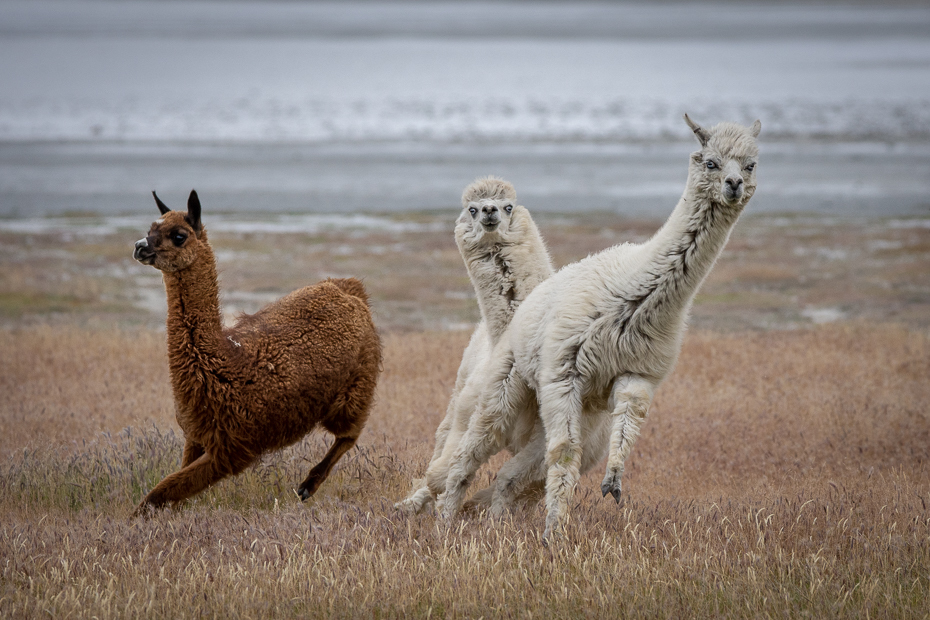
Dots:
(319, 473)
(182, 484)
(192, 452)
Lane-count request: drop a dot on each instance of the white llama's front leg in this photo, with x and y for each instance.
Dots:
(505, 395)
(631, 395)
(560, 409)
(525, 468)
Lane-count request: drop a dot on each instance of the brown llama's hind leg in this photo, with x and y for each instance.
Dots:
(319, 473)
(192, 452)
(346, 424)
(182, 484)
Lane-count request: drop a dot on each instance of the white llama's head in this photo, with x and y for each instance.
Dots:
(175, 240)
(724, 170)
(490, 213)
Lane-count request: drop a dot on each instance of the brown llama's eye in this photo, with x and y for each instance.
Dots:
(178, 238)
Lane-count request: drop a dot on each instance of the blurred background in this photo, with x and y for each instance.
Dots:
(334, 139)
(345, 107)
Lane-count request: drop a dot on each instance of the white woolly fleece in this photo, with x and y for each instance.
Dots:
(504, 264)
(592, 343)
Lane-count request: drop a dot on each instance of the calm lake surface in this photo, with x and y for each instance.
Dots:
(379, 107)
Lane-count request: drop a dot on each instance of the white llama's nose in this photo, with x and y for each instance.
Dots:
(490, 216)
(734, 181)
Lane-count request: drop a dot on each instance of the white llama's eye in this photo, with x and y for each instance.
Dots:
(508, 208)
(710, 164)
(473, 211)
(751, 167)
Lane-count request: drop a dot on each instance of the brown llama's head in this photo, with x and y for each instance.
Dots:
(174, 240)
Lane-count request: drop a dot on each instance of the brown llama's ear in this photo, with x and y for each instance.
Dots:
(702, 135)
(161, 206)
(756, 128)
(193, 211)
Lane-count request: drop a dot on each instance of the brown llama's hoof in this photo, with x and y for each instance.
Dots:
(144, 510)
(305, 492)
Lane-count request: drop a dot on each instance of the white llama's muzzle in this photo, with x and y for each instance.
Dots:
(733, 188)
(490, 216)
(733, 185)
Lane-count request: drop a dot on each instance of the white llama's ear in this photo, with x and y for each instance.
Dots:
(193, 210)
(756, 128)
(700, 133)
(161, 206)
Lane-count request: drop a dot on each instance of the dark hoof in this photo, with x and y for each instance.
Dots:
(553, 533)
(144, 511)
(304, 493)
(611, 485)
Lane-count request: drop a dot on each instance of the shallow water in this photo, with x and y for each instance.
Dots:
(851, 179)
(339, 107)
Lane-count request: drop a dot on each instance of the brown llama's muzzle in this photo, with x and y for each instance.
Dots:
(144, 252)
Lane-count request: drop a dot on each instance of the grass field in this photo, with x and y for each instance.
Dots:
(784, 470)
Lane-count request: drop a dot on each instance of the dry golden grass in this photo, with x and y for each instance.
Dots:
(781, 474)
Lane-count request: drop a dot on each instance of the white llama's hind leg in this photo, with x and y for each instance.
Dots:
(420, 497)
(418, 500)
(507, 393)
(460, 414)
(632, 396)
(526, 467)
(560, 410)
(439, 469)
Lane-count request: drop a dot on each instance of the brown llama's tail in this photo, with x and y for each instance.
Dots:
(351, 286)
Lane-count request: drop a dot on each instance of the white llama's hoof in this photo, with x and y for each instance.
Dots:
(410, 506)
(497, 510)
(444, 511)
(553, 532)
(611, 485)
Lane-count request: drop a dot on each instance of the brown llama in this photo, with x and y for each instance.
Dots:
(310, 358)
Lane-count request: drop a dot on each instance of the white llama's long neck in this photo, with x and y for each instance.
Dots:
(679, 257)
(493, 279)
(504, 271)
(194, 326)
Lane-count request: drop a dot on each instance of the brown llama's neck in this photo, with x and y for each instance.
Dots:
(195, 340)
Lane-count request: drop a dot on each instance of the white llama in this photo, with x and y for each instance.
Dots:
(593, 342)
(506, 258)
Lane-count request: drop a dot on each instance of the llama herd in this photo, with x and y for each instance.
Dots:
(560, 371)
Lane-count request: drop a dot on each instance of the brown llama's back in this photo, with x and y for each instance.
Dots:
(351, 286)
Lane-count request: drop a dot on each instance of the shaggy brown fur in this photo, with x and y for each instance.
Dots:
(311, 358)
